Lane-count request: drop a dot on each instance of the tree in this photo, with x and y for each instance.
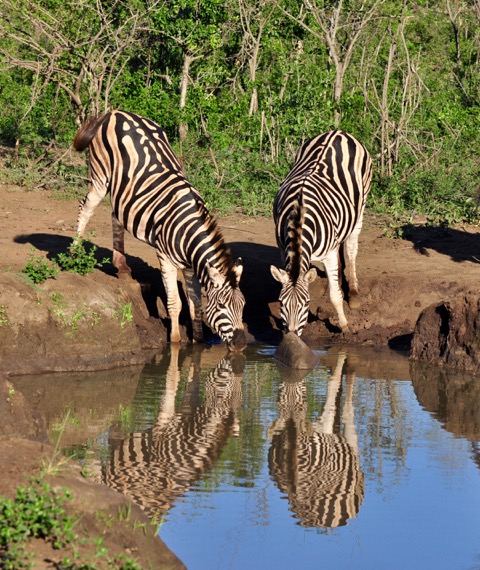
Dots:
(81, 47)
(339, 25)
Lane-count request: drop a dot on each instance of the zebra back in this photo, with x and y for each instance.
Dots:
(322, 198)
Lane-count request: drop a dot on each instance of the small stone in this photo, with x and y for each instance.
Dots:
(294, 353)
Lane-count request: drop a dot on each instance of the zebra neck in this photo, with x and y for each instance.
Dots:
(208, 251)
(219, 263)
(297, 249)
(297, 262)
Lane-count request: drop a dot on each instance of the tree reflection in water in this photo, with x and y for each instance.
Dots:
(453, 398)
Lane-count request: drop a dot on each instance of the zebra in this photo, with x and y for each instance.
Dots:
(318, 208)
(131, 158)
(316, 462)
(157, 465)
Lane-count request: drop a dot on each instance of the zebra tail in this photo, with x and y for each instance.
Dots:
(87, 131)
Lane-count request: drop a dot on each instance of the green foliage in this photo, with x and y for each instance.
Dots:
(38, 270)
(125, 314)
(258, 83)
(79, 260)
(3, 316)
(37, 511)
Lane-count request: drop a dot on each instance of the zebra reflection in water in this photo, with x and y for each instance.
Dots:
(311, 462)
(156, 466)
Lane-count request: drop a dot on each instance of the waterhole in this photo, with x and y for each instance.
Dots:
(365, 462)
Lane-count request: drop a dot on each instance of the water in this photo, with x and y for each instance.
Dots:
(365, 462)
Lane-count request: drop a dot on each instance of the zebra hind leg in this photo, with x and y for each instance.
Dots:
(125, 273)
(350, 248)
(194, 295)
(119, 260)
(174, 303)
(87, 206)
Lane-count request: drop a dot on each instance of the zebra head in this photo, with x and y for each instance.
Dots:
(225, 304)
(294, 298)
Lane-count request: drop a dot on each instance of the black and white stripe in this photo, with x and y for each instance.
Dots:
(318, 208)
(130, 157)
(195, 420)
(316, 462)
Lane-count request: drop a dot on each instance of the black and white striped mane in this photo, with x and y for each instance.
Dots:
(295, 221)
(226, 264)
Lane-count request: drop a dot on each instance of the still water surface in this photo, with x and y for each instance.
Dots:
(365, 462)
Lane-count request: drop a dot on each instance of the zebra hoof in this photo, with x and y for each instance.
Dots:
(354, 301)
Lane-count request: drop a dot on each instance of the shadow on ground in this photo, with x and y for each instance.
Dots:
(459, 245)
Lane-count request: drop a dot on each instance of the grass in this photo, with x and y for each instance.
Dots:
(125, 314)
(38, 511)
(3, 316)
(78, 260)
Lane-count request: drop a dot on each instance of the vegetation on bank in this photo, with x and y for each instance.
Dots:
(238, 85)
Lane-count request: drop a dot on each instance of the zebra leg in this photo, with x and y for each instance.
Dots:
(119, 260)
(174, 303)
(350, 248)
(331, 267)
(95, 195)
(194, 295)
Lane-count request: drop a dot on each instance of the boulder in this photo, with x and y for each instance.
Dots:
(448, 334)
(294, 353)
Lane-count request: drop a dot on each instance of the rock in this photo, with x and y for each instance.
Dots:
(448, 334)
(294, 353)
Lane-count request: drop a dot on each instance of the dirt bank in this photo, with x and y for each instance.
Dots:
(398, 279)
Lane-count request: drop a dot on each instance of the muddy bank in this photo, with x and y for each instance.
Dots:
(74, 322)
(447, 334)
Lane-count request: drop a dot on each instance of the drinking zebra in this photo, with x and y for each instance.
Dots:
(130, 157)
(318, 208)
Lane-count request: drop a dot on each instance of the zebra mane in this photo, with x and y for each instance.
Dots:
(87, 131)
(294, 231)
(226, 264)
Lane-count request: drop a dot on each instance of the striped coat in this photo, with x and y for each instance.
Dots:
(131, 159)
(319, 208)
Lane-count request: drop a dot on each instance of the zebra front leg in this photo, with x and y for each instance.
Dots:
(331, 263)
(194, 295)
(119, 259)
(174, 303)
(87, 206)
(350, 249)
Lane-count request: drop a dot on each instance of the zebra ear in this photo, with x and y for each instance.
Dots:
(238, 269)
(310, 275)
(279, 274)
(215, 275)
